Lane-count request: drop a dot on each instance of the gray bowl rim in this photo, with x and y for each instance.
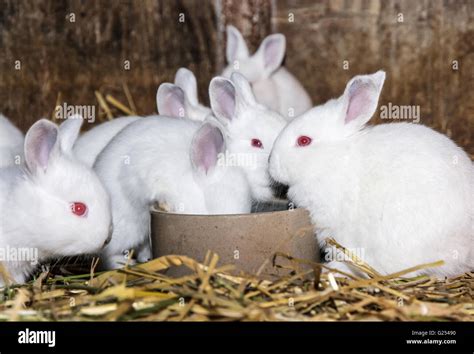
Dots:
(226, 216)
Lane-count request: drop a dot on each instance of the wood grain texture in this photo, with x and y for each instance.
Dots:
(77, 58)
(253, 18)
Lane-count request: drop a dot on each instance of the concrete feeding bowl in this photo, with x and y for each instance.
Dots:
(247, 241)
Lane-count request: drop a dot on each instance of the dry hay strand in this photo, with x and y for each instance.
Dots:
(111, 107)
(213, 292)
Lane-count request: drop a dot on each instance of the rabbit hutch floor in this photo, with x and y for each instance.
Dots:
(210, 292)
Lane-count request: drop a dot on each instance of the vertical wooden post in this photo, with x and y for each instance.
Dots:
(252, 17)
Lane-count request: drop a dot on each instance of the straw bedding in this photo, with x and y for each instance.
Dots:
(212, 292)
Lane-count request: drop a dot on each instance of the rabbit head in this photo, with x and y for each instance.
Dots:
(315, 142)
(250, 129)
(259, 66)
(181, 98)
(63, 204)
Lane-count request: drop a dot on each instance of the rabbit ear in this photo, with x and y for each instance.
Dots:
(361, 98)
(272, 51)
(223, 98)
(186, 80)
(236, 47)
(207, 144)
(69, 131)
(243, 89)
(170, 101)
(41, 144)
(227, 95)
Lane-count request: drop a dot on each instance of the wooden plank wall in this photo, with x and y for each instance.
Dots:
(417, 53)
(77, 58)
(74, 59)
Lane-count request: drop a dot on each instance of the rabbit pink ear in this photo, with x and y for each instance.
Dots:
(272, 51)
(361, 98)
(186, 80)
(40, 145)
(207, 143)
(236, 47)
(223, 98)
(170, 101)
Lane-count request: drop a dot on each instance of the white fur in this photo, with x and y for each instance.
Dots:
(11, 143)
(148, 162)
(194, 110)
(157, 159)
(36, 197)
(402, 193)
(91, 143)
(273, 85)
(235, 107)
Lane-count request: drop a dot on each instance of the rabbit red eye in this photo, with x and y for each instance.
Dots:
(257, 143)
(304, 140)
(78, 208)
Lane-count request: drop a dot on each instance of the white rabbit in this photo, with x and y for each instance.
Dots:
(399, 194)
(168, 160)
(251, 129)
(52, 205)
(176, 100)
(273, 85)
(11, 143)
(149, 161)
